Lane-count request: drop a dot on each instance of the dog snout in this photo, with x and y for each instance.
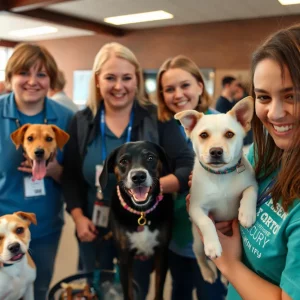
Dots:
(216, 152)
(14, 248)
(39, 152)
(139, 177)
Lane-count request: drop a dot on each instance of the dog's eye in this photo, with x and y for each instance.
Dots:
(30, 138)
(49, 139)
(229, 134)
(204, 135)
(124, 162)
(19, 230)
(150, 158)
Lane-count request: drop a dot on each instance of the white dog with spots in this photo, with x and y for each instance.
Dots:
(17, 270)
(223, 183)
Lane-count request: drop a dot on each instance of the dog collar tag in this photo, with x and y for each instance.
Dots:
(240, 168)
(142, 220)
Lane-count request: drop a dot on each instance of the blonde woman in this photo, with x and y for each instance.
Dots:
(180, 86)
(116, 113)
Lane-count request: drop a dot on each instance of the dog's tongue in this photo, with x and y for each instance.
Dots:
(140, 193)
(38, 169)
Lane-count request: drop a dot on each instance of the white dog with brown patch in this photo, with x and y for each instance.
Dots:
(17, 270)
(223, 182)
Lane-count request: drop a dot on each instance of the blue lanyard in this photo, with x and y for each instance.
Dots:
(265, 195)
(102, 129)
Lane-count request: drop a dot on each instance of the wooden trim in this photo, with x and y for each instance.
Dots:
(6, 43)
(71, 21)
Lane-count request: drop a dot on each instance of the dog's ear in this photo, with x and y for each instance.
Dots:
(188, 119)
(61, 136)
(27, 217)
(17, 136)
(163, 157)
(108, 167)
(243, 112)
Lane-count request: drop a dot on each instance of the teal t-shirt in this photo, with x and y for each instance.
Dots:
(272, 245)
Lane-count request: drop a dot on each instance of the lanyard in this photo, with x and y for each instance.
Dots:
(265, 195)
(102, 129)
(18, 123)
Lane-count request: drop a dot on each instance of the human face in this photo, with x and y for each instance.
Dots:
(274, 101)
(181, 90)
(31, 86)
(234, 88)
(117, 83)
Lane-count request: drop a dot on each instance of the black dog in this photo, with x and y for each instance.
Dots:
(141, 217)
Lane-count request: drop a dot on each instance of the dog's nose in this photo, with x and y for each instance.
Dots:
(39, 152)
(216, 152)
(14, 247)
(138, 177)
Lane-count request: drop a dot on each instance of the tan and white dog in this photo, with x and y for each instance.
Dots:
(17, 269)
(223, 182)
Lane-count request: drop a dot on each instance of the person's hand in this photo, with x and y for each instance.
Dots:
(25, 165)
(231, 248)
(85, 228)
(188, 197)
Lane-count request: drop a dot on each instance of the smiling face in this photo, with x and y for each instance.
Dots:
(14, 236)
(30, 86)
(181, 90)
(274, 101)
(117, 83)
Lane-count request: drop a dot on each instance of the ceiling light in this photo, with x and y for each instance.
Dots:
(138, 18)
(33, 31)
(289, 2)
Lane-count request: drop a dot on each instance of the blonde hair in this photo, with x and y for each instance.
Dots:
(186, 64)
(27, 55)
(105, 53)
(60, 81)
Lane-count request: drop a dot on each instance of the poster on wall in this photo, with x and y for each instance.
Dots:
(81, 81)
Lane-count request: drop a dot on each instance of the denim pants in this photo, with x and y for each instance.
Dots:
(186, 276)
(107, 252)
(43, 252)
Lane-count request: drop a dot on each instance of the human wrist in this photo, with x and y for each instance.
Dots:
(231, 268)
(77, 214)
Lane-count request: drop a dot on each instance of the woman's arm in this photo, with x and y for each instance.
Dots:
(182, 158)
(248, 284)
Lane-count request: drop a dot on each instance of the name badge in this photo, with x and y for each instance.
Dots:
(98, 172)
(101, 215)
(34, 188)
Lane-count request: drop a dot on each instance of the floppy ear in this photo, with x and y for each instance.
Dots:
(27, 217)
(61, 136)
(109, 165)
(188, 119)
(17, 136)
(243, 112)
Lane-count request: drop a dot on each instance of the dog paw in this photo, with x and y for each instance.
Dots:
(213, 249)
(247, 219)
(209, 275)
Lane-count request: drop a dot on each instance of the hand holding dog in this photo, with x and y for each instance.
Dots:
(53, 169)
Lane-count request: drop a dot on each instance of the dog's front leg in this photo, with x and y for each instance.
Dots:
(212, 245)
(29, 295)
(247, 210)
(161, 268)
(126, 274)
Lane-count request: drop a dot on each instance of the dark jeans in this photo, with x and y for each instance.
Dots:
(186, 276)
(107, 252)
(43, 252)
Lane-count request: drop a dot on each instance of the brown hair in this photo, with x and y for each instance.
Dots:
(60, 81)
(283, 47)
(26, 55)
(186, 64)
(106, 52)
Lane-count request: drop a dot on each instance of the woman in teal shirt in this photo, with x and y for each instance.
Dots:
(180, 86)
(268, 264)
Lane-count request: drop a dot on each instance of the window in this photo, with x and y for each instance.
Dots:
(5, 53)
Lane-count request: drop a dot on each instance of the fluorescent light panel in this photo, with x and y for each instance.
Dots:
(289, 2)
(33, 31)
(138, 18)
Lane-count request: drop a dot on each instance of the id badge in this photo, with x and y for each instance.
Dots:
(100, 214)
(33, 188)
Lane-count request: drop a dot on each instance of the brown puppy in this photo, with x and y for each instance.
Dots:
(40, 143)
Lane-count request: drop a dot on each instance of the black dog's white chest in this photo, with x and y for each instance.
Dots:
(144, 241)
